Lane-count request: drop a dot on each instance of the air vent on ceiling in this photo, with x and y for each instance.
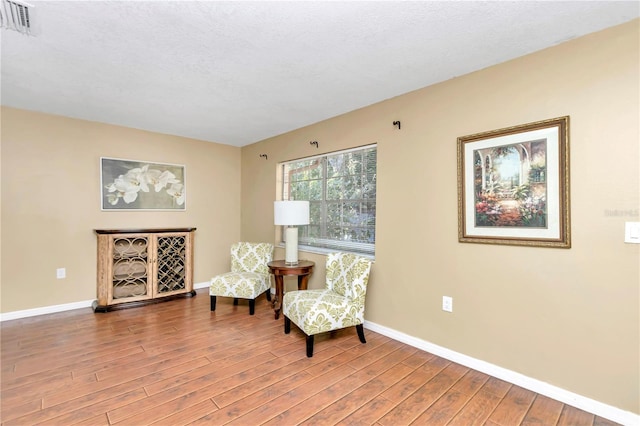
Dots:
(15, 15)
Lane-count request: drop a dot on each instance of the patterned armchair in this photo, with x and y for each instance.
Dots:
(249, 276)
(339, 305)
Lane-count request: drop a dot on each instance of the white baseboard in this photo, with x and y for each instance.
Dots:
(65, 307)
(45, 310)
(617, 415)
(197, 286)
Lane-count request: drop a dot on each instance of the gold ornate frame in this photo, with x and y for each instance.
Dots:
(530, 209)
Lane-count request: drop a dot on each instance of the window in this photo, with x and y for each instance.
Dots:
(341, 189)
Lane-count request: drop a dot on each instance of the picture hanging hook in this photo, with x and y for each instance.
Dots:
(263, 156)
(397, 123)
(314, 143)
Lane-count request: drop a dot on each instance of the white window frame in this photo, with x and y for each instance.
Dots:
(323, 245)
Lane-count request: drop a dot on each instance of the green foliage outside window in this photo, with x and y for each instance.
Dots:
(341, 189)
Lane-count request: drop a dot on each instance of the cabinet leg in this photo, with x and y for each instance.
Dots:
(99, 308)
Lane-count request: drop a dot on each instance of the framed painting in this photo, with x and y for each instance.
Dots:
(141, 185)
(513, 185)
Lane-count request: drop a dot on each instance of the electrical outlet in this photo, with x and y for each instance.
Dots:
(447, 303)
(61, 273)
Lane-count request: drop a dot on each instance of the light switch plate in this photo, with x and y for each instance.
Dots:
(632, 232)
(447, 303)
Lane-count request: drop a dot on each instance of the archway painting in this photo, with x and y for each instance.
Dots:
(513, 185)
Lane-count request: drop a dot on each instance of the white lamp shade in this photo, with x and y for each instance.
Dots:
(291, 212)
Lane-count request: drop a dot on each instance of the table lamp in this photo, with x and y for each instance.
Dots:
(290, 214)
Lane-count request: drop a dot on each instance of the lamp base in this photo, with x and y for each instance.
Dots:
(291, 246)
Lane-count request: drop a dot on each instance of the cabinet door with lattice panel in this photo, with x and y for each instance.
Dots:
(124, 267)
(130, 268)
(171, 264)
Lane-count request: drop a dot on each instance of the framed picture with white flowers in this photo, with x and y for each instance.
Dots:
(141, 185)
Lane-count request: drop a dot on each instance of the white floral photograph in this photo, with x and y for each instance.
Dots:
(142, 185)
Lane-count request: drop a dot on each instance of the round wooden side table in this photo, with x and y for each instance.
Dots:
(279, 269)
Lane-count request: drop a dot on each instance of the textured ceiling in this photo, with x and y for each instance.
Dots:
(238, 72)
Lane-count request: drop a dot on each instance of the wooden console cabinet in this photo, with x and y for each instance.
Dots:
(139, 266)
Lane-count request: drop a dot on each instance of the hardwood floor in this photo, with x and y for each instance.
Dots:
(177, 363)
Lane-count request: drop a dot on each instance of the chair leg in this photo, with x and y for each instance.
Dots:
(269, 294)
(252, 306)
(309, 346)
(287, 325)
(235, 301)
(213, 302)
(360, 329)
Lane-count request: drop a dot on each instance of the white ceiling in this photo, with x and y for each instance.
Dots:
(238, 72)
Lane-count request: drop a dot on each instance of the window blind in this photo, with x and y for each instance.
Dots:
(341, 190)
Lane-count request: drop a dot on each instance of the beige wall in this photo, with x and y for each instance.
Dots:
(568, 317)
(51, 202)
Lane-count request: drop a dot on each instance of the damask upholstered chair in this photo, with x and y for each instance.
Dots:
(249, 276)
(339, 305)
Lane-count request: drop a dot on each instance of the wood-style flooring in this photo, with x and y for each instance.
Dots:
(177, 363)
